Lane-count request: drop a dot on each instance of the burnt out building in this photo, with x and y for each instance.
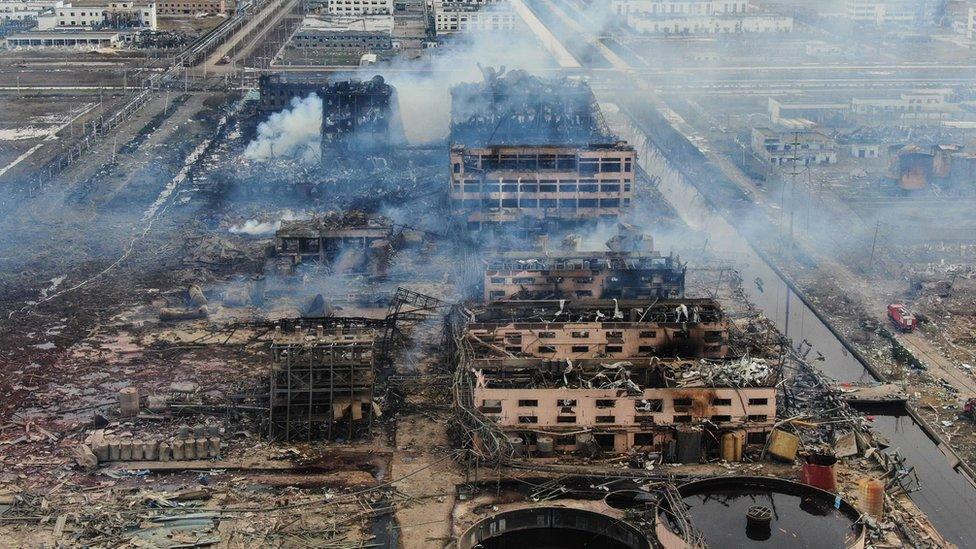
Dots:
(603, 329)
(351, 244)
(516, 108)
(562, 184)
(355, 113)
(322, 378)
(583, 275)
(593, 376)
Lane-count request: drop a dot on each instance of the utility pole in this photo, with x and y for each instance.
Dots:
(874, 242)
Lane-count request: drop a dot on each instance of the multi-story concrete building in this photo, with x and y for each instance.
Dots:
(452, 16)
(592, 328)
(508, 184)
(124, 14)
(679, 7)
(360, 7)
(782, 147)
(20, 10)
(618, 375)
(710, 24)
(582, 275)
(190, 7)
(697, 17)
(883, 13)
(345, 34)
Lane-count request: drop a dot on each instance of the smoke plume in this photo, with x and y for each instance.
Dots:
(294, 133)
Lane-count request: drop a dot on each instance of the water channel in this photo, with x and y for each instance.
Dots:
(945, 495)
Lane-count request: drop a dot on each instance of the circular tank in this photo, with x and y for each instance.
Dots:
(552, 528)
(736, 512)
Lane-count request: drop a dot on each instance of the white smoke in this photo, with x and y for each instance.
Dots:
(294, 133)
(424, 93)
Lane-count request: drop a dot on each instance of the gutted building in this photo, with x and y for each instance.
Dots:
(592, 328)
(505, 184)
(322, 378)
(581, 275)
(559, 376)
(352, 244)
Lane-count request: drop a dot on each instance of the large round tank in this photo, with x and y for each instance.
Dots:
(552, 528)
(739, 512)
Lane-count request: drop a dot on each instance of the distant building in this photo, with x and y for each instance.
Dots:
(697, 17)
(190, 7)
(21, 10)
(805, 108)
(360, 7)
(971, 24)
(710, 24)
(346, 34)
(452, 16)
(920, 106)
(780, 147)
(81, 39)
(883, 13)
(119, 15)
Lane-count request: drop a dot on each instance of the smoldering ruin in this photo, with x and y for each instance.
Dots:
(467, 274)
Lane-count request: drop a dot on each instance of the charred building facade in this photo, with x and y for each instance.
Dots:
(355, 114)
(592, 375)
(351, 244)
(583, 275)
(531, 149)
(562, 183)
(516, 108)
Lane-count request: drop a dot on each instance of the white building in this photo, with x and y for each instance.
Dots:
(971, 25)
(81, 39)
(918, 106)
(360, 7)
(709, 24)
(349, 34)
(123, 14)
(882, 13)
(19, 10)
(697, 17)
(783, 147)
(452, 16)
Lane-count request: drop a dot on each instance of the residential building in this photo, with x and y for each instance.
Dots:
(508, 184)
(781, 147)
(372, 33)
(190, 7)
(360, 7)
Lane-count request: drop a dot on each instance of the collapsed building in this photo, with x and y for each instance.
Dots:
(625, 272)
(351, 243)
(598, 375)
(516, 108)
(916, 168)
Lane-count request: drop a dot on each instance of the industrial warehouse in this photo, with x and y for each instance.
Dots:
(476, 274)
